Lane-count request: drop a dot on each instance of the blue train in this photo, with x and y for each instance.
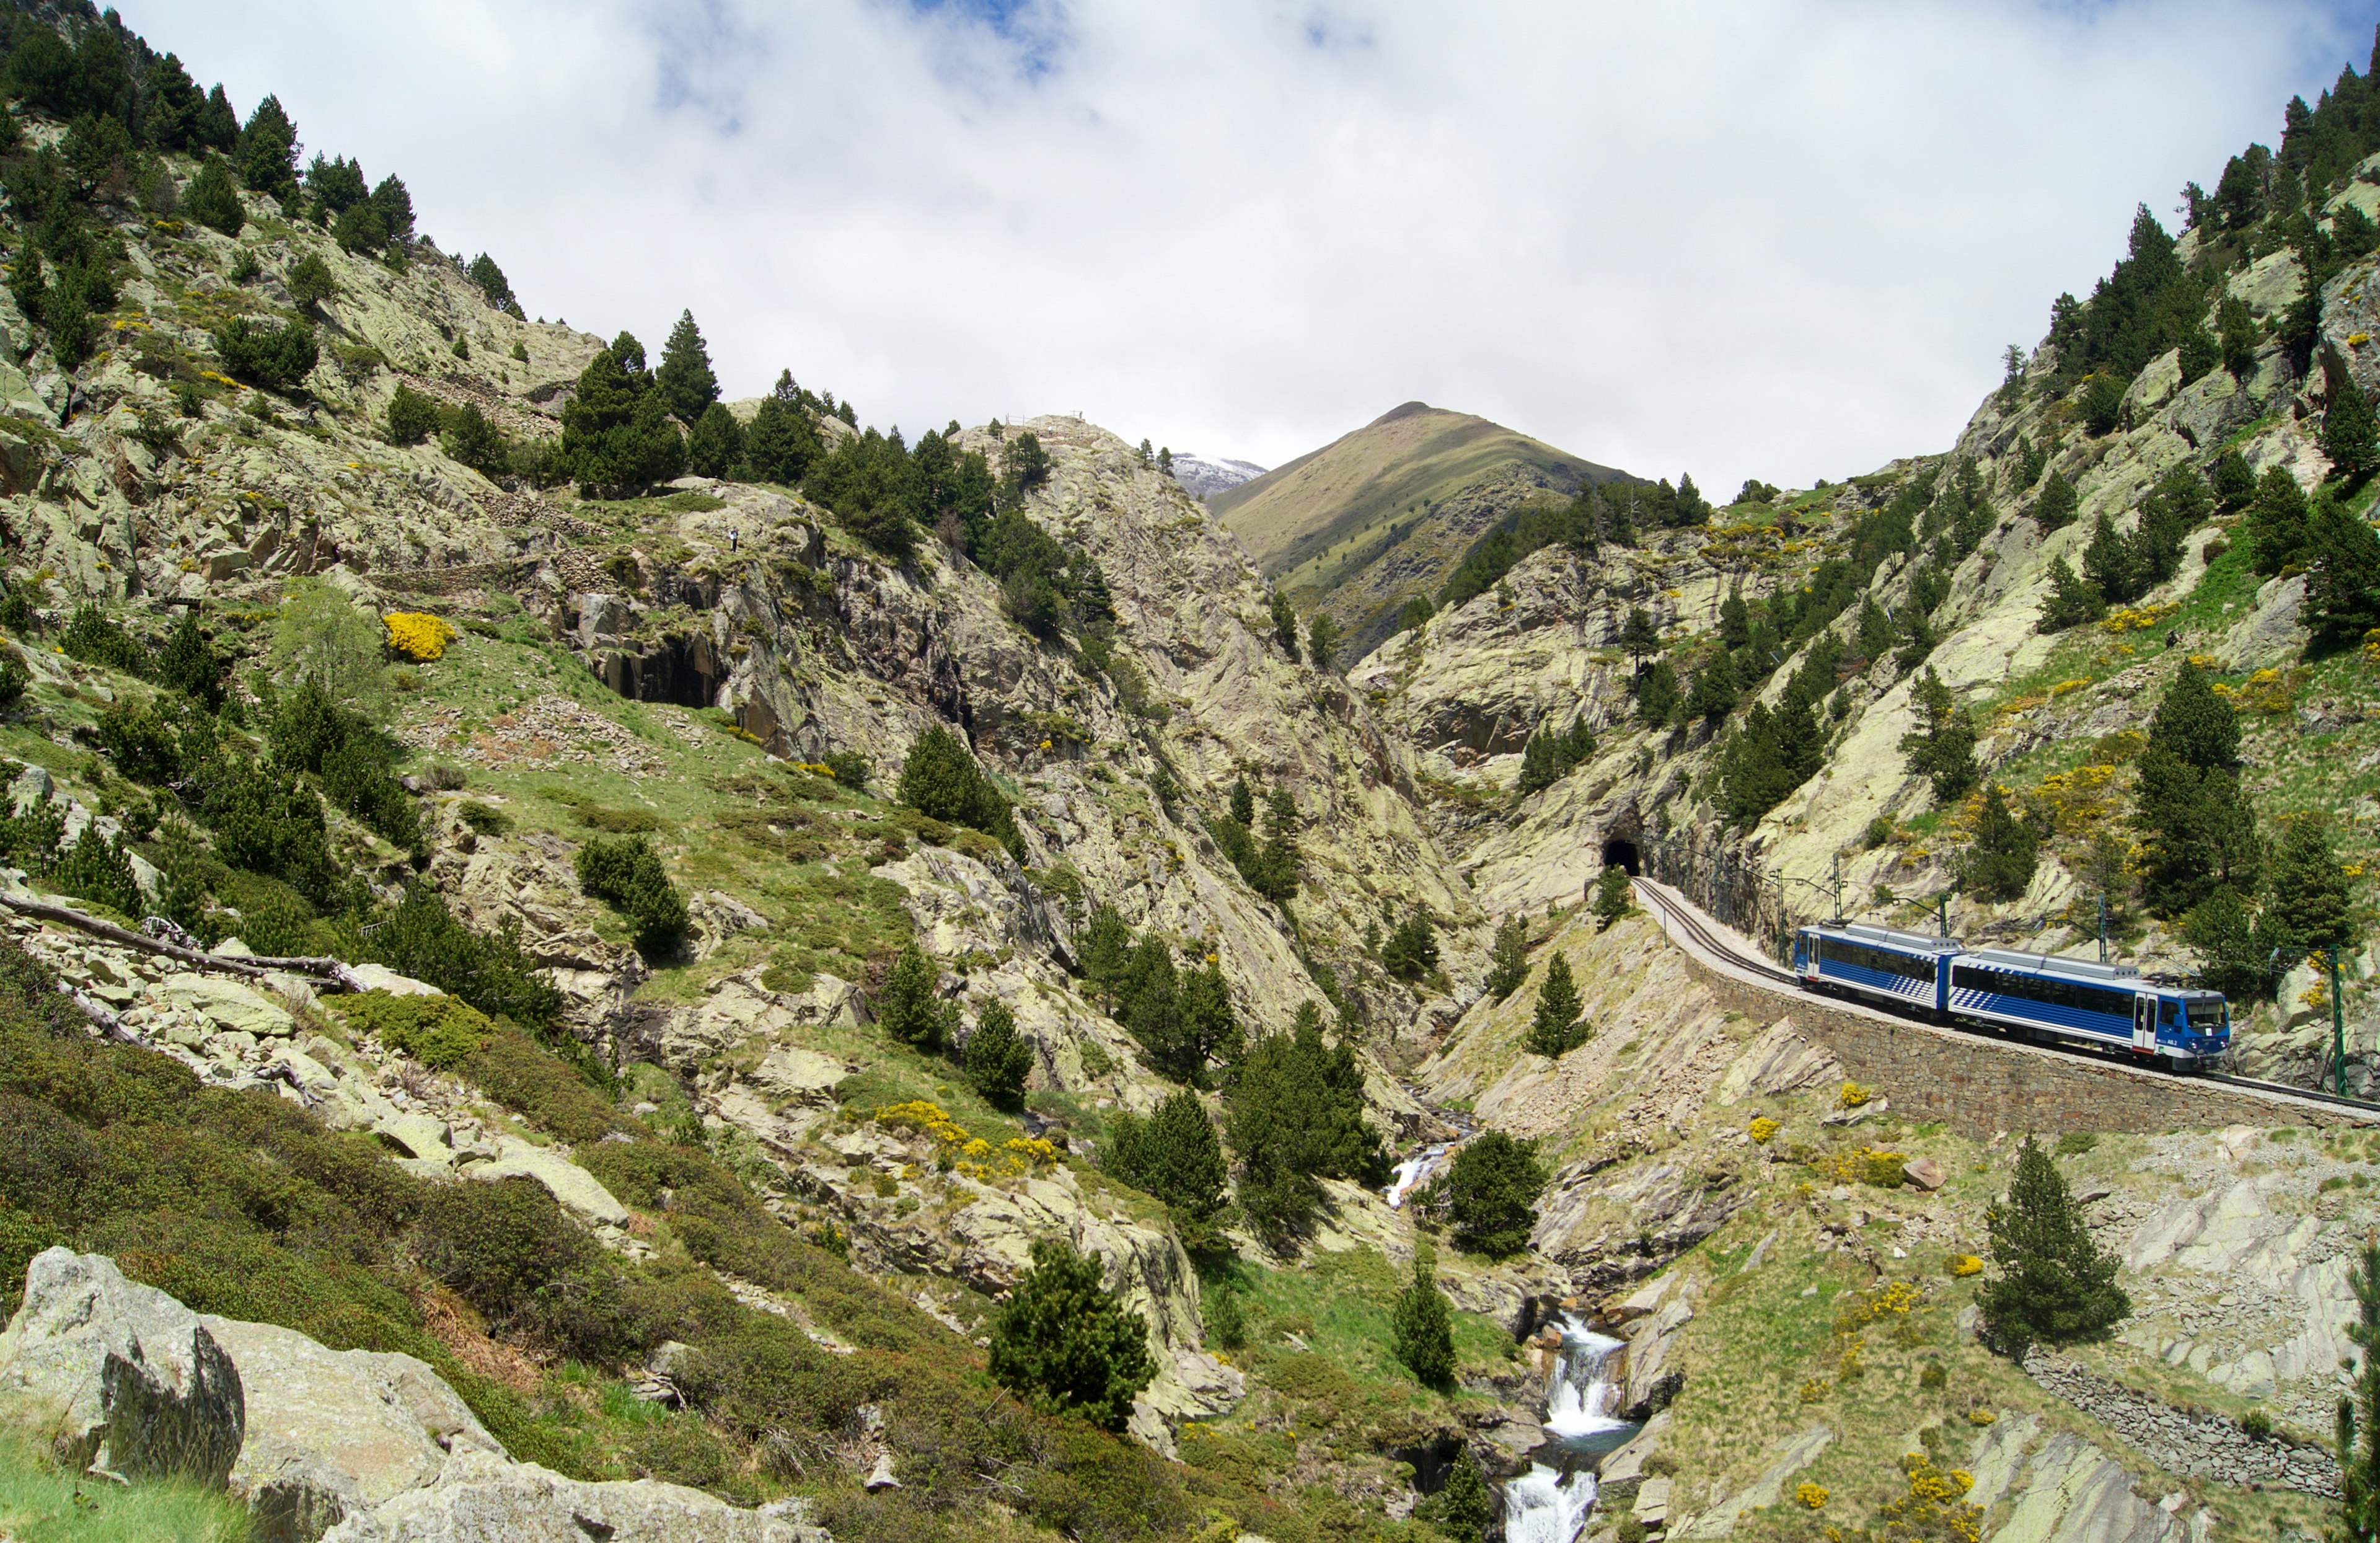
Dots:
(2043, 996)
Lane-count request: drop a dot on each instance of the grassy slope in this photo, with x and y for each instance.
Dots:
(1319, 520)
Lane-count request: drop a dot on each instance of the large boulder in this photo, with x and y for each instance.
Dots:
(126, 1379)
(334, 1432)
(481, 1497)
(579, 1191)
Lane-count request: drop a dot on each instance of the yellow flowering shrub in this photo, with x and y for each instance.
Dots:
(1868, 1165)
(1812, 1495)
(2372, 646)
(1763, 1128)
(2066, 688)
(417, 634)
(1936, 1505)
(1853, 1095)
(1813, 1389)
(1981, 1416)
(2136, 618)
(1963, 1265)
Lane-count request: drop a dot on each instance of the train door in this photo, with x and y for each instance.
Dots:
(2144, 1022)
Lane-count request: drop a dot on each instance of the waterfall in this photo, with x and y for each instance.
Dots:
(1549, 1504)
(1412, 1172)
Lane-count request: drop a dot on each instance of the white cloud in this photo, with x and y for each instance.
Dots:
(1784, 240)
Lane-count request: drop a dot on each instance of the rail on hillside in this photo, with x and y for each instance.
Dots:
(1723, 948)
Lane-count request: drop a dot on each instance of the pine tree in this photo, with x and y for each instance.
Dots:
(2000, 863)
(268, 151)
(1491, 1194)
(716, 446)
(2054, 509)
(1943, 751)
(1556, 1028)
(1150, 1007)
(615, 431)
(1507, 962)
(1066, 1345)
(2311, 895)
(1174, 1155)
(1639, 638)
(2349, 437)
(908, 1007)
(1284, 624)
(1207, 1031)
(212, 200)
(2359, 1464)
(2111, 562)
(940, 779)
(1612, 894)
(1422, 1326)
(1243, 803)
(2198, 828)
(2055, 1284)
(685, 379)
(1657, 698)
(2231, 958)
(1106, 953)
(997, 1058)
(2277, 522)
(1295, 1116)
(1463, 1507)
(1277, 860)
(218, 125)
(2234, 479)
(782, 439)
(2342, 557)
(1321, 640)
(2236, 333)
(1410, 951)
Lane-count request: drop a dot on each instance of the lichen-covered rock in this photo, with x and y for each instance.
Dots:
(580, 1192)
(128, 1379)
(479, 1497)
(331, 1433)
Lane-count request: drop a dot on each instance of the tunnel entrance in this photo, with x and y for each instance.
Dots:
(1621, 853)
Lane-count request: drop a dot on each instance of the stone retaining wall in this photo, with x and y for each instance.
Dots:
(1979, 1086)
(2190, 1442)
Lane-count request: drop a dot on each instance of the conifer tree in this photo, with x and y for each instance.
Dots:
(907, 1006)
(412, 416)
(1639, 638)
(1174, 1155)
(1297, 1116)
(2073, 600)
(1999, 862)
(2111, 564)
(782, 439)
(1207, 1030)
(2342, 557)
(2056, 1285)
(2234, 480)
(1463, 1507)
(212, 200)
(1422, 1326)
(1657, 698)
(2054, 510)
(1150, 1008)
(489, 280)
(1555, 1029)
(1507, 962)
(2277, 522)
(1410, 951)
(2311, 896)
(1943, 751)
(716, 446)
(1243, 803)
(2359, 1461)
(685, 379)
(1066, 1345)
(2236, 333)
(998, 1059)
(1491, 1194)
(940, 779)
(218, 125)
(615, 431)
(268, 151)
(1277, 861)
(1107, 953)
(1284, 624)
(2198, 828)
(2235, 953)
(1611, 896)
(1321, 640)
(2349, 438)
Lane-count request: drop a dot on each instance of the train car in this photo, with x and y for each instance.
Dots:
(1906, 969)
(2050, 997)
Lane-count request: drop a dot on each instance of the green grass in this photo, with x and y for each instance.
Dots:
(43, 1503)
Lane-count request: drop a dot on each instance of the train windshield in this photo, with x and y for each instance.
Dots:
(2206, 1012)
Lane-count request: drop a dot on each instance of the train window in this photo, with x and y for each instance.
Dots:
(2172, 1012)
(1837, 951)
(2043, 988)
(2206, 1012)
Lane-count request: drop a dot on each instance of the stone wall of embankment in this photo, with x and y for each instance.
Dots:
(1978, 1086)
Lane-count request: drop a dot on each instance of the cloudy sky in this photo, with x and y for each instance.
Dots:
(1784, 239)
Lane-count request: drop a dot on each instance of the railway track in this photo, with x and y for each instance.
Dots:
(1689, 920)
